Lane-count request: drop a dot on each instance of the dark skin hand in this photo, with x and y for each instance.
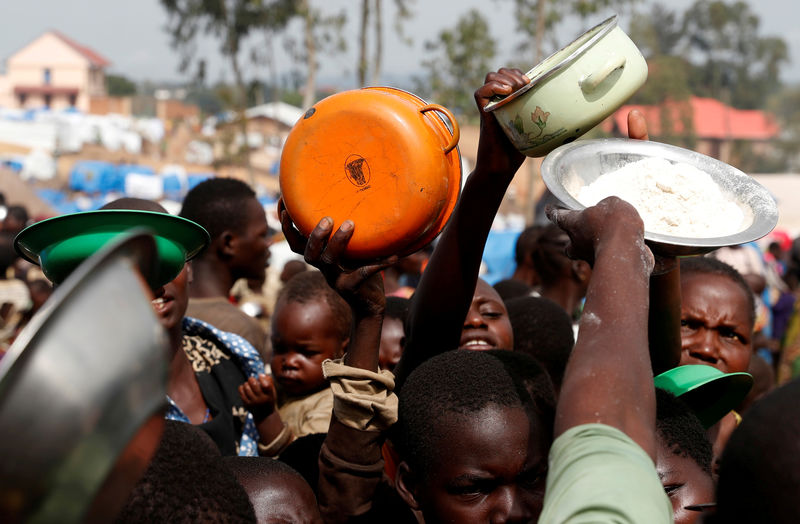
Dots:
(361, 287)
(664, 324)
(613, 339)
(259, 396)
(443, 297)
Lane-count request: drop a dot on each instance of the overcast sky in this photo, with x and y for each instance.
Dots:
(130, 33)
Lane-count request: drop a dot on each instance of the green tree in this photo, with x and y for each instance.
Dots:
(118, 85)
(786, 105)
(460, 57)
(322, 34)
(372, 14)
(658, 33)
(230, 22)
(539, 18)
(737, 65)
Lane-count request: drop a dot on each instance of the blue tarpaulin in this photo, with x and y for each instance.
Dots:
(498, 256)
(92, 176)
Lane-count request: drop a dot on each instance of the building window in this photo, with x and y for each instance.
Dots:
(72, 100)
(47, 76)
(48, 99)
(22, 98)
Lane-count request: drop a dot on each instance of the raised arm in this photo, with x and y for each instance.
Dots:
(608, 378)
(351, 463)
(664, 324)
(444, 294)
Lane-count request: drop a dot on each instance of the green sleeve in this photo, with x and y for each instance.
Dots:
(599, 475)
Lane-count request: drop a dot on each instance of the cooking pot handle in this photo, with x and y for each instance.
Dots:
(456, 132)
(590, 82)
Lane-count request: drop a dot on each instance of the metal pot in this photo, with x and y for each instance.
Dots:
(379, 156)
(572, 90)
(77, 385)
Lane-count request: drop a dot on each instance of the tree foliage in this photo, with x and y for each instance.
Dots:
(322, 34)
(230, 22)
(537, 19)
(118, 85)
(372, 16)
(460, 59)
(736, 64)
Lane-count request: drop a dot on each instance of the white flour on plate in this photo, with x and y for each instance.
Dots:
(672, 198)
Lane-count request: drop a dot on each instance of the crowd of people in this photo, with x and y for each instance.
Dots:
(410, 390)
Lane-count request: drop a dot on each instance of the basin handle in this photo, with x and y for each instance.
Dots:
(446, 112)
(590, 82)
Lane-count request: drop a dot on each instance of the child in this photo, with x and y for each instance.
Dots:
(683, 458)
(311, 324)
(486, 325)
(350, 462)
(472, 447)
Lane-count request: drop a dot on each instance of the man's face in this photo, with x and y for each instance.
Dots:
(251, 245)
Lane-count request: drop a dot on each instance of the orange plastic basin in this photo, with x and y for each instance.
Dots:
(380, 157)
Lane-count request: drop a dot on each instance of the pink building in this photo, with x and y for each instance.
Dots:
(53, 71)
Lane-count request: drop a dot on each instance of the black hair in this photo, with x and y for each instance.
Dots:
(187, 482)
(511, 288)
(526, 243)
(460, 383)
(309, 286)
(713, 266)
(135, 204)
(543, 330)
(759, 475)
(253, 473)
(531, 379)
(681, 431)
(255, 467)
(397, 307)
(218, 204)
(549, 257)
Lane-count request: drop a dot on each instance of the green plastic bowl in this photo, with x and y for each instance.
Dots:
(61, 244)
(708, 391)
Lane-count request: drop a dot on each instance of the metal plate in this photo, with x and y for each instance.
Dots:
(570, 167)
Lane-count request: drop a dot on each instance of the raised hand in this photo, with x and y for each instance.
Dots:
(589, 228)
(362, 286)
(496, 153)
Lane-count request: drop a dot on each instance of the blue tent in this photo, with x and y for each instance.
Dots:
(91, 176)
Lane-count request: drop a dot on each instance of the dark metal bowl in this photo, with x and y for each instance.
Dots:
(570, 167)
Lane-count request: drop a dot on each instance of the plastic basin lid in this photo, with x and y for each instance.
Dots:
(61, 244)
(708, 391)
